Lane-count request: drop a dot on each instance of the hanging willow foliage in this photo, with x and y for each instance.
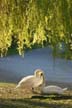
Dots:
(36, 22)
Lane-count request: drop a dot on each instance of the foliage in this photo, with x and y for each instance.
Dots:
(33, 22)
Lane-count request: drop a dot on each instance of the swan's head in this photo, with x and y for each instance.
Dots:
(39, 73)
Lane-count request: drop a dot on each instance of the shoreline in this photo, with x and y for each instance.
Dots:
(60, 84)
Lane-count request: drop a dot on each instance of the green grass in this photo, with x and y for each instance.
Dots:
(11, 98)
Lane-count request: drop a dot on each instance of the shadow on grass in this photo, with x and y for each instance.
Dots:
(23, 103)
(54, 97)
(36, 102)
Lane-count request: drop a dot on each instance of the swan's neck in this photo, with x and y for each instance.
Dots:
(43, 81)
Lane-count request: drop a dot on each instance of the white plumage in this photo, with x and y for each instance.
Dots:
(53, 89)
(38, 80)
(32, 81)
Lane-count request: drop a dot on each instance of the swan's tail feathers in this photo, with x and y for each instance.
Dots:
(65, 89)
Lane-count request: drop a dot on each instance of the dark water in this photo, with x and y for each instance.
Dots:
(13, 68)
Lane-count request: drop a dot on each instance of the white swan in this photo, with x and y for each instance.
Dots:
(32, 81)
(53, 89)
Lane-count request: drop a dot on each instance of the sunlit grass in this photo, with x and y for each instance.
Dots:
(12, 98)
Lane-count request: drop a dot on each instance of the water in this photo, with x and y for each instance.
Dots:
(13, 68)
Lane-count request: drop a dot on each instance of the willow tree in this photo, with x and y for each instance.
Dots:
(33, 22)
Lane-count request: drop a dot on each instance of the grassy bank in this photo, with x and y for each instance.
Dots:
(11, 98)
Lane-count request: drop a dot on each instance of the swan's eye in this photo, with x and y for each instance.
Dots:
(41, 74)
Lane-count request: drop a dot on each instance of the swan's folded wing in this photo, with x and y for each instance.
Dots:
(25, 81)
(53, 89)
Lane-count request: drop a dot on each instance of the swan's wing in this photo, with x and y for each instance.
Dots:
(57, 88)
(52, 89)
(25, 80)
(64, 89)
(30, 81)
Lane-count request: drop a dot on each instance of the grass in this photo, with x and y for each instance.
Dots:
(11, 98)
